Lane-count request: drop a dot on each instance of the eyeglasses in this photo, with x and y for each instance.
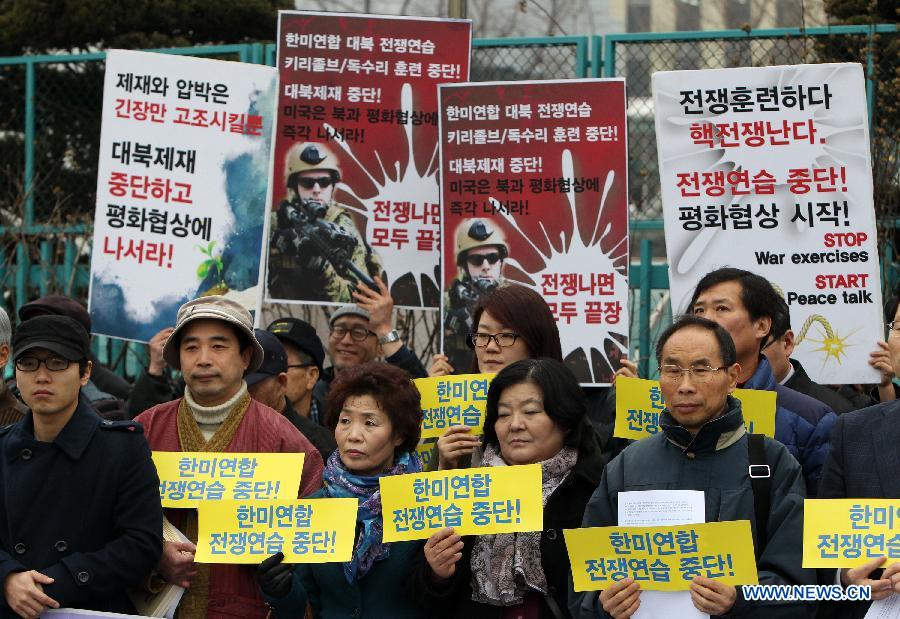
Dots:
(503, 340)
(308, 182)
(894, 325)
(476, 260)
(700, 373)
(31, 364)
(357, 334)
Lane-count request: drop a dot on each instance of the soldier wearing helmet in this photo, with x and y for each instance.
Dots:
(316, 253)
(481, 250)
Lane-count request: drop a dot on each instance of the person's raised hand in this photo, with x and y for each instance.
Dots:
(455, 443)
(622, 599)
(442, 551)
(157, 342)
(440, 365)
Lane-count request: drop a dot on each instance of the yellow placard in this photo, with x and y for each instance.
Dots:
(662, 558)
(188, 478)
(497, 499)
(453, 401)
(306, 531)
(639, 403)
(850, 532)
(427, 451)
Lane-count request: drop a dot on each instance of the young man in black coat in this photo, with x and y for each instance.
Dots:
(80, 513)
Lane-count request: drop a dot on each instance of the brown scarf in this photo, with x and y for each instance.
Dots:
(194, 603)
(507, 565)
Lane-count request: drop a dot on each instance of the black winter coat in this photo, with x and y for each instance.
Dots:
(84, 509)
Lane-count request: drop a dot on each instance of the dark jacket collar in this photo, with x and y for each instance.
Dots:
(73, 439)
(708, 436)
(799, 380)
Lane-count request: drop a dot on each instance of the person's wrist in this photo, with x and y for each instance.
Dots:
(156, 369)
(383, 329)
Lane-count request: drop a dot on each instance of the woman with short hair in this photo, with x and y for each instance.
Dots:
(536, 414)
(376, 416)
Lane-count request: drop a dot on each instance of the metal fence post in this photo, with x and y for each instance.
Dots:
(596, 56)
(28, 186)
(644, 309)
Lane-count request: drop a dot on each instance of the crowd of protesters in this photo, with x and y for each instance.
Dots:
(82, 520)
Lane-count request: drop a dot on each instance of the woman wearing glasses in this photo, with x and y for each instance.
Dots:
(536, 414)
(376, 417)
(511, 323)
(514, 323)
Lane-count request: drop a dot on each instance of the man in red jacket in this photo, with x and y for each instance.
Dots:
(214, 346)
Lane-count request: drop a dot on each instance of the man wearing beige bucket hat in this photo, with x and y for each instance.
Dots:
(214, 346)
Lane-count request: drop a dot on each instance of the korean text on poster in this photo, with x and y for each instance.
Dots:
(639, 403)
(769, 170)
(310, 531)
(534, 192)
(357, 111)
(850, 532)
(182, 184)
(187, 479)
(662, 558)
(500, 499)
(453, 401)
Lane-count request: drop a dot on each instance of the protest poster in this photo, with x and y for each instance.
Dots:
(478, 501)
(768, 169)
(534, 192)
(308, 531)
(357, 110)
(187, 479)
(427, 452)
(182, 188)
(458, 400)
(850, 532)
(662, 558)
(639, 403)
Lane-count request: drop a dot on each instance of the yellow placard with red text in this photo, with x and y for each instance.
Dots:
(189, 478)
(448, 401)
(479, 501)
(850, 532)
(306, 531)
(639, 403)
(662, 558)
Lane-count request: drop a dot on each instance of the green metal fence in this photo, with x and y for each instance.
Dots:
(50, 131)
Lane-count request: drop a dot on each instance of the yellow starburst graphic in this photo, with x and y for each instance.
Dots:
(832, 344)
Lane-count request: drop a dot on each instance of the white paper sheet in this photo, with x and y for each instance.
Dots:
(655, 508)
(888, 608)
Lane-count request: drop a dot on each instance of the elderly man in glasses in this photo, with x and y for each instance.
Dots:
(363, 332)
(317, 252)
(704, 446)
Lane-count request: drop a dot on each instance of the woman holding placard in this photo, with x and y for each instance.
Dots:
(536, 413)
(511, 323)
(376, 417)
(514, 323)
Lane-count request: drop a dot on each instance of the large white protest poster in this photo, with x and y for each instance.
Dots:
(768, 169)
(182, 188)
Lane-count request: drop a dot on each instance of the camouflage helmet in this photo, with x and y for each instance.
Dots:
(310, 156)
(473, 233)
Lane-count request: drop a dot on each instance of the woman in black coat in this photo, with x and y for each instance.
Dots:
(536, 413)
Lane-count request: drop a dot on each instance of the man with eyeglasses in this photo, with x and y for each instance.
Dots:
(747, 306)
(703, 446)
(298, 266)
(481, 251)
(80, 514)
(363, 332)
(270, 385)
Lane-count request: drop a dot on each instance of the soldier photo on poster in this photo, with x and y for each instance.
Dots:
(316, 248)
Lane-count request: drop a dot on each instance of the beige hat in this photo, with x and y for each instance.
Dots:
(214, 307)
